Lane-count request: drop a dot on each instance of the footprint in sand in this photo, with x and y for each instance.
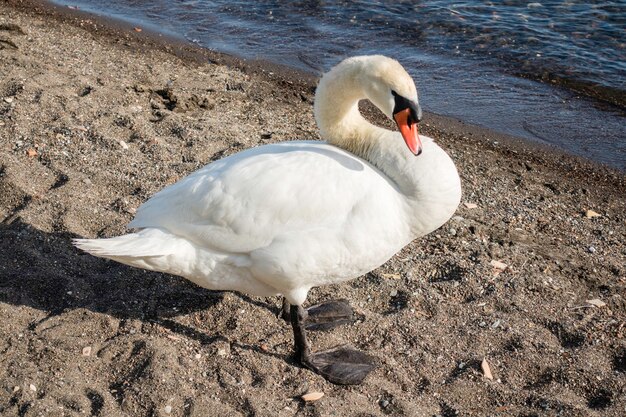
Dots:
(5, 41)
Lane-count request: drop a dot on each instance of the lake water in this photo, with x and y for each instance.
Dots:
(550, 71)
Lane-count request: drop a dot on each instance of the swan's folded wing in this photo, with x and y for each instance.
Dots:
(243, 202)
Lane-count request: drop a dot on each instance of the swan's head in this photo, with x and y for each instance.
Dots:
(392, 90)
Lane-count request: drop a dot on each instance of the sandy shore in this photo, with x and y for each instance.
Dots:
(96, 117)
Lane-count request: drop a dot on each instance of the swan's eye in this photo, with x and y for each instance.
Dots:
(403, 103)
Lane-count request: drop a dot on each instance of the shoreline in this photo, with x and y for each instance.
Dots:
(528, 276)
(301, 80)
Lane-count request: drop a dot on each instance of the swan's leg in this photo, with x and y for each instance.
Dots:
(323, 316)
(286, 311)
(340, 365)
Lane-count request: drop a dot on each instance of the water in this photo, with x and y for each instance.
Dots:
(477, 61)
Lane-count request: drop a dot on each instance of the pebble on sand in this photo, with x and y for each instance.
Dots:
(486, 369)
(32, 387)
(590, 214)
(498, 265)
(87, 351)
(596, 302)
(168, 409)
(470, 205)
(312, 396)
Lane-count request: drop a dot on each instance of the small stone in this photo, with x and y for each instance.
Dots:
(31, 153)
(139, 30)
(16, 388)
(87, 351)
(591, 249)
(87, 181)
(197, 356)
(8, 99)
(596, 302)
(591, 214)
(85, 91)
(168, 409)
(312, 396)
(495, 324)
(470, 205)
(486, 369)
(32, 387)
(384, 403)
(156, 105)
(498, 265)
(391, 276)
(393, 293)
(123, 144)
(453, 232)
(488, 309)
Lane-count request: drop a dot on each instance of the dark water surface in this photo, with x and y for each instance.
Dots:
(478, 61)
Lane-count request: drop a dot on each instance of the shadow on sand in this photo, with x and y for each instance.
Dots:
(44, 271)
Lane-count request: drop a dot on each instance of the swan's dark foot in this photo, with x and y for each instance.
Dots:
(341, 365)
(323, 316)
(328, 315)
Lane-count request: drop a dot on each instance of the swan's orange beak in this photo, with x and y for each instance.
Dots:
(409, 131)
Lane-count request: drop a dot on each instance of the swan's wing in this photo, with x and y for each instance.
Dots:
(244, 202)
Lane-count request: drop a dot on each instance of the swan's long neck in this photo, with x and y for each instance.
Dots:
(337, 111)
(429, 182)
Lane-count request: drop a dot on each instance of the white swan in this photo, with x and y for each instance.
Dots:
(279, 219)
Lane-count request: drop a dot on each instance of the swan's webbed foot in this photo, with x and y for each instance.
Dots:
(323, 316)
(340, 365)
(328, 315)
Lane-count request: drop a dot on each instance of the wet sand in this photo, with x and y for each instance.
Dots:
(95, 117)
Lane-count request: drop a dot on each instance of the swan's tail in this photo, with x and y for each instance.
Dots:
(159, 250)
(147, 242)
(144, 249)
